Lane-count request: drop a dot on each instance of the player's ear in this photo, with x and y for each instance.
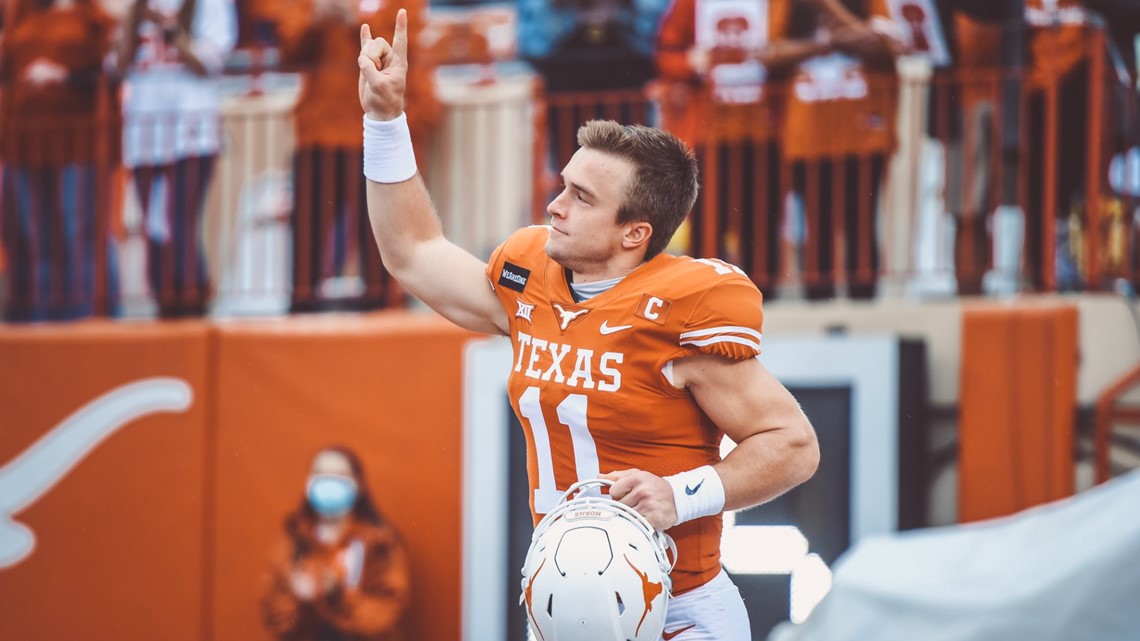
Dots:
(637, 234)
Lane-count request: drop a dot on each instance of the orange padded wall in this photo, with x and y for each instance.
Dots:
(1017, 406)
(387, 385)
(162, 530)
(119, 535)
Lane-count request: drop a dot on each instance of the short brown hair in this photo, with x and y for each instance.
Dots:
(664, 185)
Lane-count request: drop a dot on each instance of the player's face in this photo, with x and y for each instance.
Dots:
(585, 231)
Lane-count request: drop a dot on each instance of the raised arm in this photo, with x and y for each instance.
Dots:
(444, 276)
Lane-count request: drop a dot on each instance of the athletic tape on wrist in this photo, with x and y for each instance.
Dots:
(697, 493)
(388, 154)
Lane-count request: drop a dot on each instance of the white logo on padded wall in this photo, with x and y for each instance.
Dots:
(28, 477)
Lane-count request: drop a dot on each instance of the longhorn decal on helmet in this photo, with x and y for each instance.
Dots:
(529, 595)
(590, 593)
(649, 590)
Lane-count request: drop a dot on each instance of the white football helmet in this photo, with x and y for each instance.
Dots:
(596, 570)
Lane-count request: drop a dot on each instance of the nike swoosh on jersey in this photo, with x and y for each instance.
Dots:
(670, 635)
(606, 329)
(693, 490)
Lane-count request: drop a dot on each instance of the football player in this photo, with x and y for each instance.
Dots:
(629, 363)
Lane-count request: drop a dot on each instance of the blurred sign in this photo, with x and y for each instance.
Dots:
(918, 26)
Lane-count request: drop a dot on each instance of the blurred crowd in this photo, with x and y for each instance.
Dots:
(792, 105)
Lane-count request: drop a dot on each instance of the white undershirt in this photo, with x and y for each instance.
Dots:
(586, 291)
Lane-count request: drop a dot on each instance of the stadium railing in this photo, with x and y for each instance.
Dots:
(923, 221)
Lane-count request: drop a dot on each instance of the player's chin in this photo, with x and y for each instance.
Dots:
(555, 250)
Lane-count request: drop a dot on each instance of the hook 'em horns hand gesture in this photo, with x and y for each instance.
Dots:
(384, 71)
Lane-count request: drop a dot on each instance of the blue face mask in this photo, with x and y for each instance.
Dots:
(331, 495)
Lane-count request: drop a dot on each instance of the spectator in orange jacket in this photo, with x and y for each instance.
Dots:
(332, 238)
(59, 142)
(716, 95)
(340, 573)
(839, 126)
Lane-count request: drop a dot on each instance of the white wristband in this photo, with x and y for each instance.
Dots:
(388, 154)
(697, 493)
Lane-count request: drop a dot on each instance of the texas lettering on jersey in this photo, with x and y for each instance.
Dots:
(590, 379)
(544, 362)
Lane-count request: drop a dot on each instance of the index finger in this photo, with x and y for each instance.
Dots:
(400, 38)
(624, 482)
(365, 34)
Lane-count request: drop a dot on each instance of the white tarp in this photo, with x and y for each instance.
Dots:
(1067, 571)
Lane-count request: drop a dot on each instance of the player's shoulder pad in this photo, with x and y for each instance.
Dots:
(723, 309)
(528, 240)
(521, 253)
(698, 277)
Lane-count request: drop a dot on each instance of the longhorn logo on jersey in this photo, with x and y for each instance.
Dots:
(567, 316)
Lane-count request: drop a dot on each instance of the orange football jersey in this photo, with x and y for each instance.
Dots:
(589, 384)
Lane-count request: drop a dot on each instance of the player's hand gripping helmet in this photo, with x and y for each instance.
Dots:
(596, 570)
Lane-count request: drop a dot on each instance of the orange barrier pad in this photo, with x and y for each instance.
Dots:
(388, 385)
(118, 536)
(1017, 408)
(162, 532)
